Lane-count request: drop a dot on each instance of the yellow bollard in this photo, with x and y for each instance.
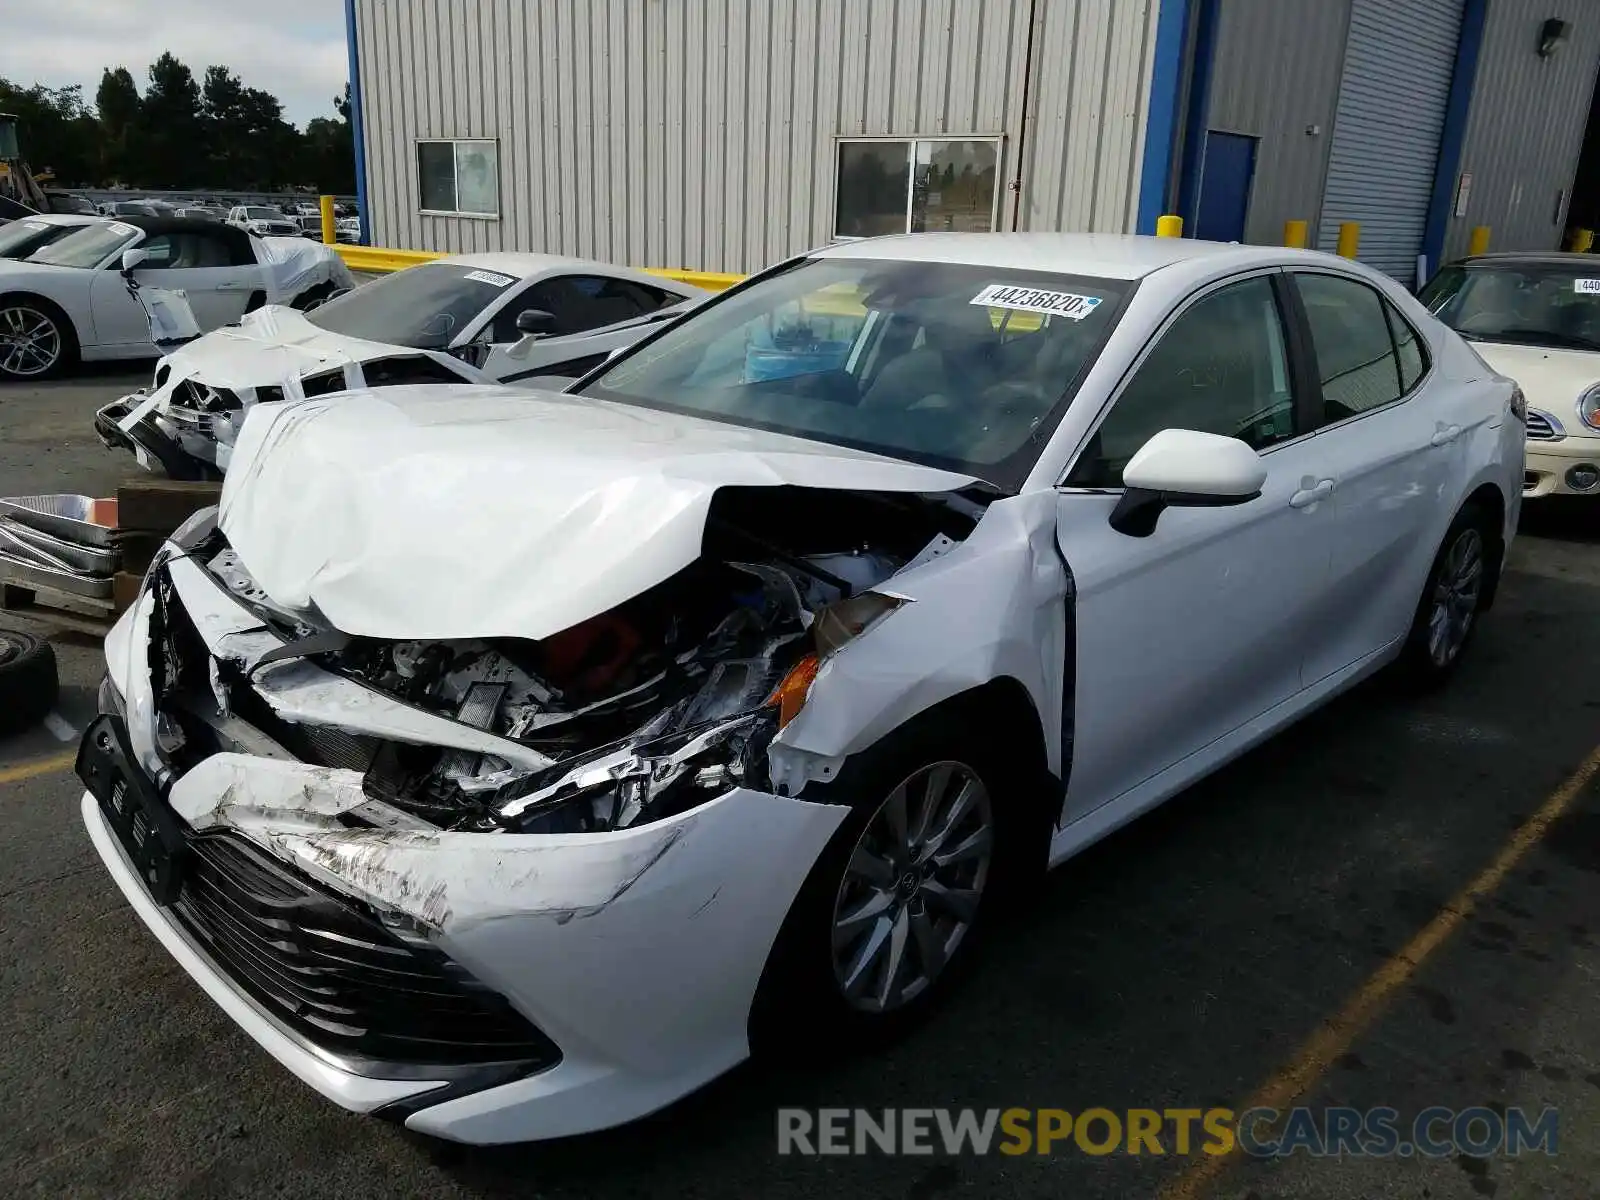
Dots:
(1169, 226)
(1294, 234)
(1349, 238)
(1479, 244)
(1581, 241)
(330, 232)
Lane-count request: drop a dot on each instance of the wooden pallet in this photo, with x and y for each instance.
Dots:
(58, 611)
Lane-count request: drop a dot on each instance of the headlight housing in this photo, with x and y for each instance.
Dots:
(1589, 407)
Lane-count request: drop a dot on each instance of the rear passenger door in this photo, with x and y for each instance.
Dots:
(1383, 442)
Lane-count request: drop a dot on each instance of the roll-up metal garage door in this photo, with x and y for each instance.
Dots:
(1397, 68)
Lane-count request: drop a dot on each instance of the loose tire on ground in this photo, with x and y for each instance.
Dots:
(28, 681)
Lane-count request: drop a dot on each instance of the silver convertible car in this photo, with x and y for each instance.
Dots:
(512, 763)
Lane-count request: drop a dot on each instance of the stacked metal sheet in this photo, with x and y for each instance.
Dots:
(53, 542)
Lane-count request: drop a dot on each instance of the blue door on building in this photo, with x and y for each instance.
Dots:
(1225, 174)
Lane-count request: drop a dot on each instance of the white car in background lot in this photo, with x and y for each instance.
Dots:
(510, 766)
(71, 299)
(22, 237)
(263, 221)
(473, 318)
(1536, 318)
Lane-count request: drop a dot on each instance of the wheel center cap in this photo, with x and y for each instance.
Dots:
(906, 886)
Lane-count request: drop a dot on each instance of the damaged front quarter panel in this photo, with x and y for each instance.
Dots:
(994, 607)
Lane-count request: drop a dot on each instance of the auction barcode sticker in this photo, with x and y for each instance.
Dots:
(1589, 287)
(121, 230)
(489, 277)
(1027, 299)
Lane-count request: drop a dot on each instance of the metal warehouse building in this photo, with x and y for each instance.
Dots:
(727, 134)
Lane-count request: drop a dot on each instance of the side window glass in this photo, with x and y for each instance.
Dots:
(1220, 368)
(609, 300)
(1355, 355)
(161, 253)
(1413, 358)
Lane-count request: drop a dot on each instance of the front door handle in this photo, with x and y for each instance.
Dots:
(1445, 434)
(1310, 495)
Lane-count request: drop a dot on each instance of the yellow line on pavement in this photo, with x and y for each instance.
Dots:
(1336, 1035)
(43, 766)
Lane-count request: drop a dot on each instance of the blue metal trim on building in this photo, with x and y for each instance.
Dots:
(358, 133)
(1194, 122)
(1453, 139)
(1166, 88)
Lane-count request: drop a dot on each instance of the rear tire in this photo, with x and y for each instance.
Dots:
(28, 682)
(884, 925)
(1459, 585)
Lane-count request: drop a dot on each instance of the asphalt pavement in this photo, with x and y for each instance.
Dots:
(1396, 902)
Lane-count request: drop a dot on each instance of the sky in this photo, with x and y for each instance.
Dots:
(294, 49)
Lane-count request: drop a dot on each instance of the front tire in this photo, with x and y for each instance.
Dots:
(890, 916)
(1459, 584)
(36, 339)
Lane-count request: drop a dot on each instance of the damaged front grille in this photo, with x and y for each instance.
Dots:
(335, 975)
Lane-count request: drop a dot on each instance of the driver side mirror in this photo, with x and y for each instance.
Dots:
(132, 258)
(533, 324)
(1188, 469)
(536, 322)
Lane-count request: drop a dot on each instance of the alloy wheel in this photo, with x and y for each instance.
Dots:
(912, 887)
(1456, 591)
(30, 342)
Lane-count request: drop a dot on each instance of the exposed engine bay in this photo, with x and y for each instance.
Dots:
(640, 712)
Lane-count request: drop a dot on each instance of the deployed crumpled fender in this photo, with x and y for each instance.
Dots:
(993, 607)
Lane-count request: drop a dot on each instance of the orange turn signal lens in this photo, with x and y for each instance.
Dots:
(790, 695)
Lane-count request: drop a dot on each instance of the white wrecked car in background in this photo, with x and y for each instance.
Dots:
(71, 299)
(474, 318)
(510, 763)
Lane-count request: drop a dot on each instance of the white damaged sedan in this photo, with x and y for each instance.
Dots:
(535, 319)
(511, 767)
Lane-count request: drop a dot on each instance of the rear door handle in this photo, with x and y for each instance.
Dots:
(1445, 434)
(1310, 495)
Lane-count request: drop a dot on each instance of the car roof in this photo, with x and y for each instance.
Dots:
(525, 264)
(1108, 256)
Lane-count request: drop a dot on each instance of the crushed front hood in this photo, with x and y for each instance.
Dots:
(434, 511)
(270, 345)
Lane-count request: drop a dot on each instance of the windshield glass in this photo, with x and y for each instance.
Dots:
(86, 247)
(263, 214)
(1534, 304)
(21, 238)
(423, 307)
(965, 367)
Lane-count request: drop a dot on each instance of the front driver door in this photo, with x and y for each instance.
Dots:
(198, 264)
(1189, 634)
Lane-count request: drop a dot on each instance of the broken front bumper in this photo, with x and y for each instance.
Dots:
(634, 955)
(158, 442)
